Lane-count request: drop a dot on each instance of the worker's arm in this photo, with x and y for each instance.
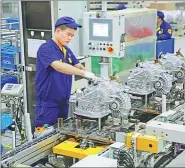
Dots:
(75, 61)
(66, 68)
(164, 36)
(80, 66)
(69, 69)
(48, 58)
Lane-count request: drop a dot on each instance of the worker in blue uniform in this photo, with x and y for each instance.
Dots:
(121, 7)
(55, 65)
(164, 30)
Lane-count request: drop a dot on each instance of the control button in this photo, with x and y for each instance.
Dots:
(107, 44)
(93, 48)
(97, 48)
(110, 44)
(110, 49)
(100, 48)
(103, 48)
(104, 44)
(100, 43)
(89, 43)
(89, 48)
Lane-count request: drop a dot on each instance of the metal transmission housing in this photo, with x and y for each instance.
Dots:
(149, 77)
(175, 65)
(104, 98)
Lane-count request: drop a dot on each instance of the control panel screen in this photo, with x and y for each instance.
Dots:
(100, 30)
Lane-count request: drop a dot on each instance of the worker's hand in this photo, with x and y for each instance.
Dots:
(90, 75)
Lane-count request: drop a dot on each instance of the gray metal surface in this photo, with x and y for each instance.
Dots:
(31, 152)
(179, 161)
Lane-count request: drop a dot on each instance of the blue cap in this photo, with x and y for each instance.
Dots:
(121, 7)
(160, 14)
(68, 21)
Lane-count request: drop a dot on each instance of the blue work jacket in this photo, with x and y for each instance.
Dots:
(164, 32)
(52, 87)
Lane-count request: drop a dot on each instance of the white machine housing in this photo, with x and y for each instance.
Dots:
(106, 32)
(96, 161)
(171, 132)
(10, 89)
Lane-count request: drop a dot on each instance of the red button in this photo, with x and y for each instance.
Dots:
(110, 49)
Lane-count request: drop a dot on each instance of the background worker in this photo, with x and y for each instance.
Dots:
(121, 7)
(164, 30)
(55, 66)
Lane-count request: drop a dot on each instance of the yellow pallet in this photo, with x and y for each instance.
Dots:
(71, 148)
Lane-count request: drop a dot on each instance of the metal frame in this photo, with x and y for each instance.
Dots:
(31, 152)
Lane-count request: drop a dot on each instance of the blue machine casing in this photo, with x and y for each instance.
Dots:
(165, 46)
(8, 79)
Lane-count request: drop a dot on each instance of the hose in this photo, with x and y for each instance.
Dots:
(124, 159)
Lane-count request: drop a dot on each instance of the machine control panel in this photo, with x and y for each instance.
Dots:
(111, 33)
(103, 34)
(101, 46)
(10, 89)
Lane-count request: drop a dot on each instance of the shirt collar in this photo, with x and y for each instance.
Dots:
(54, 44)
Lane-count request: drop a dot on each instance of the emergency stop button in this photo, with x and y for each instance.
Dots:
(110, 49)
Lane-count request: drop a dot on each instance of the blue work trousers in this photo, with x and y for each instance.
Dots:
(50, 115)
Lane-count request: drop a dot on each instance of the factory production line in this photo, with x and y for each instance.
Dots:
(131, 117)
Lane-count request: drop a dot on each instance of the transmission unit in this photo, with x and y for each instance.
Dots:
(104, 98)
(149, 77)
(175, 65)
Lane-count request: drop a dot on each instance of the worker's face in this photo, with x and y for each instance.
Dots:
(158, 20)
(64, 36)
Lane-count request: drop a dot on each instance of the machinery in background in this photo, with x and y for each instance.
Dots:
(148, 82)
(175, 64)
(176, 18)
(12, 96)
(110, 38)
(157, 86)
(148, 78)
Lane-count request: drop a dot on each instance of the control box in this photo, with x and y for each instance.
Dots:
(10, 89)
(107, 33)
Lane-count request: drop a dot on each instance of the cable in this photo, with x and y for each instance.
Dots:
(124, 159)
(164, 160)
(155, 155)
